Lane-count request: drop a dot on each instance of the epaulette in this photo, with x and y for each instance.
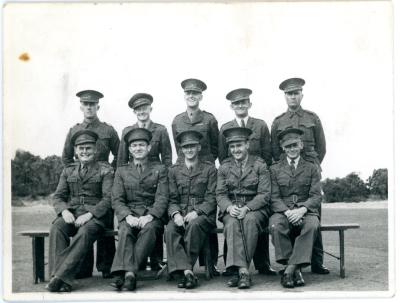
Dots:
(226, 160)
(310, 112)
(281, 115)
(206, 112)
(73, 164)
(104, 164)
(259, 159)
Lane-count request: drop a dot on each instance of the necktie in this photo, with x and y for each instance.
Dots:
(139, 168)
(83, 171)
(292, 167)
(242, 123)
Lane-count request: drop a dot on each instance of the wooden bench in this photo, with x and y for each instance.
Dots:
(39, 236)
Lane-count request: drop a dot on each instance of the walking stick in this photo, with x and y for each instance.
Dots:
(243, 235)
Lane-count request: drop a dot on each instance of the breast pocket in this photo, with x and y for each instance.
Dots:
(255, 143)
(103, 148)
(251, 183)
(284, 184)
(95, 185)
(130, 191)
(73, 185)
(308, 128)
(200, 186)
(149, 184)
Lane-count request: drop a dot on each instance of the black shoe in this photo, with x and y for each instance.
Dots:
(65, 288)
(287, 281)
(118, 283)
(229, 272)
(320, 269)
(155, 266)
(191, 281)
(214, 271)
(298, 279)
(54, 284)
(267, 270)
(244, 281)
(130, 283)
(182, 282)
(106, 274)
(233, 282)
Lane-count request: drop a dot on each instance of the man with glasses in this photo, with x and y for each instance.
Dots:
(259, 145)
(313, 140)
(295, 203)
(108, 142)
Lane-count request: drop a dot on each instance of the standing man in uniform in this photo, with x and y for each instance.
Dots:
(313, 140)
(82, 202)
(192, 208)
(107, 142)
(243, 193)
(160, 150)
(295, 203)
(196, 119)
(140, 201)
(260, 145)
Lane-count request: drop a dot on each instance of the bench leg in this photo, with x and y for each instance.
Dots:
(341, 243)
(38, 259)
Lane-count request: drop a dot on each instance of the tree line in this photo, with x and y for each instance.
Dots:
(32, 176)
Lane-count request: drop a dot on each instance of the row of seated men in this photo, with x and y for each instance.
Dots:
(145, 195)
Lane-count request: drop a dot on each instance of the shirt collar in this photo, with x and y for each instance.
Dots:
(242, 163)
(239, 120)
(296, 161)
(146, 125)
(298, 112)
(90, 122)
(144, 163)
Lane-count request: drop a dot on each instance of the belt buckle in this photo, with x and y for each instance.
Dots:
(82, 200)
(295, 198)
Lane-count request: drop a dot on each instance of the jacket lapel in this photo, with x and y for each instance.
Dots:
(92, 170)
(300, 167)
(285, 167)
(248, 167)
(198, 117)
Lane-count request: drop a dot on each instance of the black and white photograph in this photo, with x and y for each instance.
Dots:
(196, 150)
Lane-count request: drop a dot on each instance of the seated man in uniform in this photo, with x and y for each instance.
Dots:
(83, 204)
(192, 208)
(140, 200)
(295, 201)
(243, 192)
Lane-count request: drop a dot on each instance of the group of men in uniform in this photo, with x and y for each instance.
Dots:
(265, 181)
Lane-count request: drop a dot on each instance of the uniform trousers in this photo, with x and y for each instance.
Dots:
(135, 245)
(293, 244)
(185, 243)
(65, 256)
(253, 224)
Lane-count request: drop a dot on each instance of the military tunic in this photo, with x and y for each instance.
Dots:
(138, 194)
(207, 125)
(92, 193)
(313, 137)
(107, 142)
(252, 187)
(260, 140)
(160, 145)
(190, 191)
(289, 191)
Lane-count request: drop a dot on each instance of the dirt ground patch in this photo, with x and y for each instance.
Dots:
(366, 254)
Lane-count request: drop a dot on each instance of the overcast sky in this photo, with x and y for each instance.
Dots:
(343, 50)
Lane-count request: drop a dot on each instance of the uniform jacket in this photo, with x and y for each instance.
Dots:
(251, 187)
(313, 138)
(160, 145)
(207, 125)
(140, 194)
(90, 194)
(193, 191)
(107, 142)
(303, 188)
(260, 140)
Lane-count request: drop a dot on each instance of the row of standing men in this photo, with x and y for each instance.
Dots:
(213, 144)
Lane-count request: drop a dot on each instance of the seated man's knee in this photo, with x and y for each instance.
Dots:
(231, 222)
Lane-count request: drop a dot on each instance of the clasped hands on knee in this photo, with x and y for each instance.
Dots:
(138, 222)
(179, 220)
(69, 218)
(237, 212)
(295, 216)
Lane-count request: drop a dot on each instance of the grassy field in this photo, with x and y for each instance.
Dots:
(366, 254)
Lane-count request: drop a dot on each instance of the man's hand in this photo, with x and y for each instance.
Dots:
(296, 215)
(243, 211)
(190, 216)
(68, 216)
(82, 219)
(178, 219)
(132, 221)
(143, 220)
(233, 210)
